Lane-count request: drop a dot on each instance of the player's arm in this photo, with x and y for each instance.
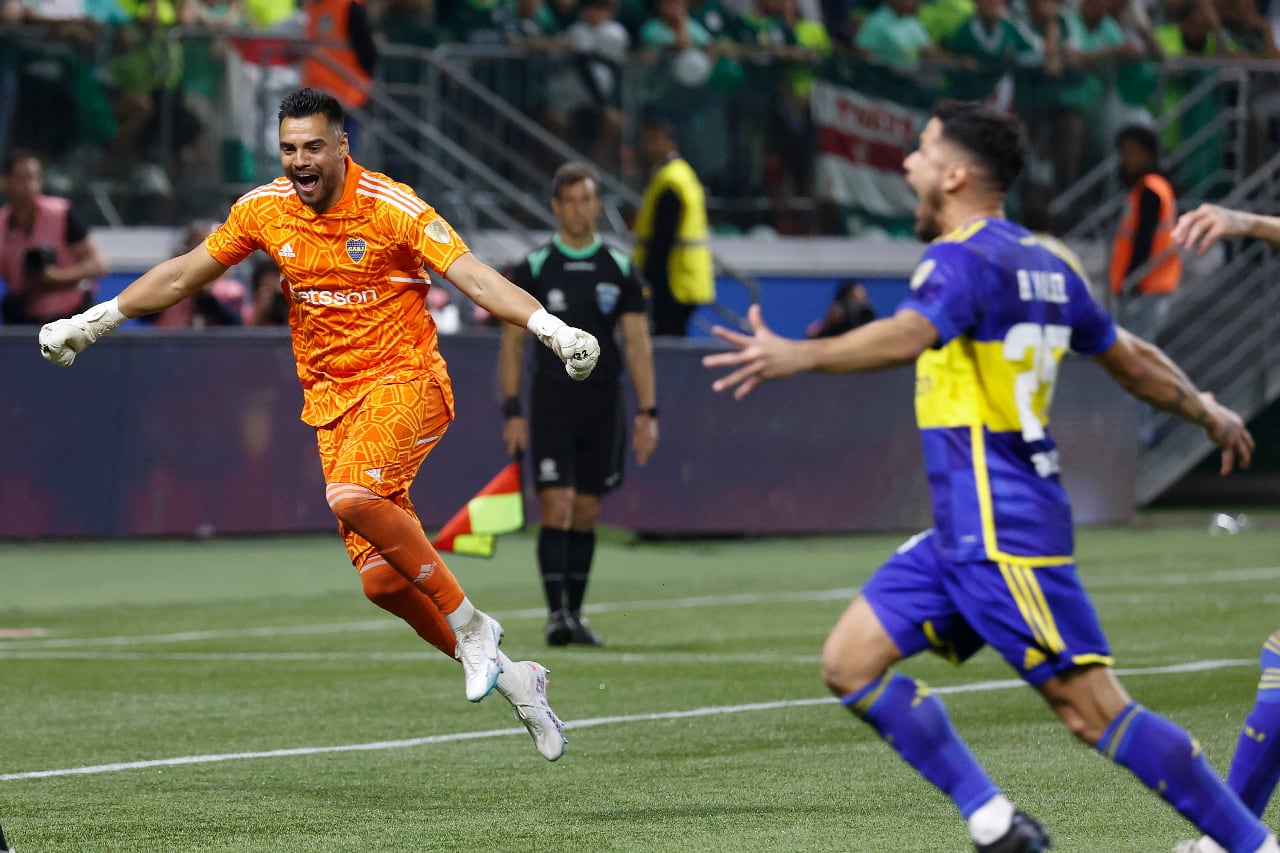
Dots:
(1147, 373)
(515, 430)
(1198, 229)
(639, 353)
(762, 355)
(493, 292)
(165, 284)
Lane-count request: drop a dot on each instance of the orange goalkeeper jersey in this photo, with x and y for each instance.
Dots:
(355, 277)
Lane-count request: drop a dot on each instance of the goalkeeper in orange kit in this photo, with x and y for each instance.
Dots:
(353, 247)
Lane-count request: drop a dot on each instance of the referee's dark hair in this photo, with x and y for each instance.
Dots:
(572, 173)
(996, 139)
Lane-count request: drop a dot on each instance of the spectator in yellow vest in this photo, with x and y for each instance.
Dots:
(671, 233)
(1145, 265)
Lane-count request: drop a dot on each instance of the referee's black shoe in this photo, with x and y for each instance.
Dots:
(582, 633)
(1025, 835)
(560, 628)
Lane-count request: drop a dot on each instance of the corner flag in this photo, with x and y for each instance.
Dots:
(497, 508)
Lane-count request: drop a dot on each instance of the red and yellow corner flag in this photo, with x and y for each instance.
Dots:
(497, 508)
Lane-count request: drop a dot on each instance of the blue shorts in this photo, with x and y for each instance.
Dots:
(1039, 619)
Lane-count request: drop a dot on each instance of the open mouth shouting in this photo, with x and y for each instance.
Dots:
(306, 183)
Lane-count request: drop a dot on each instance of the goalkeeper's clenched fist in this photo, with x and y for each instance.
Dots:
(578, 350)
(61, 340)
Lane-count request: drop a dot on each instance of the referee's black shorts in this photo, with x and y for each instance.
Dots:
(577, 436)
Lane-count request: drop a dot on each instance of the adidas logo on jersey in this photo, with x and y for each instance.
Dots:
(286, 251)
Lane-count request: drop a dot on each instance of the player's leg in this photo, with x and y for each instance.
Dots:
(370, 457)
(555, 505)
(1255, 767)
(554, 430)
(598, 470)
(904, 610)
(522, 683)
(1042, 622)
(1164, 757)
(582, 550)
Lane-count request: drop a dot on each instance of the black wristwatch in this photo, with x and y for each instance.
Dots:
(511, 408)
(651, 412)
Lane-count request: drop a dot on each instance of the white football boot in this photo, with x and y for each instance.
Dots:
(477, 649)
(524, 684)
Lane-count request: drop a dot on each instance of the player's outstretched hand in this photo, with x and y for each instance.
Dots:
(1198, 229)
(759, 356)
(62, 340)
(578, 350)
(1227, 430)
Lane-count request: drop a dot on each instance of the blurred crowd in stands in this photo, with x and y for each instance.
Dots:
(105, 91)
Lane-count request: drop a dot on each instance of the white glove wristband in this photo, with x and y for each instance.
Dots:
(103, 318)
(544, 325)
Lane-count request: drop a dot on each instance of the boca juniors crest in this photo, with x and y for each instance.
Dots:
(607, 295)
(355, 249)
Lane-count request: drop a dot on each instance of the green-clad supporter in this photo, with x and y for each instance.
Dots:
(893, 36)
(1096, 51)
(997, 44)
(941, 18)
(1197, 32)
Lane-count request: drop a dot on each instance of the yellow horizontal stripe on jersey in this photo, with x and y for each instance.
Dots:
(949, 392)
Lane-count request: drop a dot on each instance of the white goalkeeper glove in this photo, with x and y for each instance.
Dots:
(61, 340)
(578, 350)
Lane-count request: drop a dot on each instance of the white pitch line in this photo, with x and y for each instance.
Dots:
(699, 658)
(840, 593)
(709, 711)
(384, 624)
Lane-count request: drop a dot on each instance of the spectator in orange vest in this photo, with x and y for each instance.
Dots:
(48, 259)
(343, 56)
(1145, 265)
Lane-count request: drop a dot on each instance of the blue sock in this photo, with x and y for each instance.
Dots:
(1168, 761)
(1255, 769)
(914, 722)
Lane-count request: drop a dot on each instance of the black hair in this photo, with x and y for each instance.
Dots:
(571, 173)
(1141, 135)
(16, 156)
(994, 138)
(304, 103)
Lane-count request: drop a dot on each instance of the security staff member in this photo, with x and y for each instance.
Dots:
(578, 428)
(1145, 266)
(671, 233)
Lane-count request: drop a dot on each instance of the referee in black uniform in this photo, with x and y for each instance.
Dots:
(578, 436)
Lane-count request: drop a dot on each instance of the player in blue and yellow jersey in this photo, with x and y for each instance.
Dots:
(991, 313)
(1255, 767)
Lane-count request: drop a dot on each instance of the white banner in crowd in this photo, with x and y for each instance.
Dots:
(862, 142)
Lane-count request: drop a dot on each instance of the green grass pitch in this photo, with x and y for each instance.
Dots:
(241, 695)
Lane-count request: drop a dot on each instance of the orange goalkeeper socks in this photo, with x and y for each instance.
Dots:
(388, 589)
(400, 539)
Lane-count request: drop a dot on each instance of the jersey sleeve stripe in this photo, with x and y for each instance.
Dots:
(385, 190)
(267, 190)
(393, 202)
(410, 280)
